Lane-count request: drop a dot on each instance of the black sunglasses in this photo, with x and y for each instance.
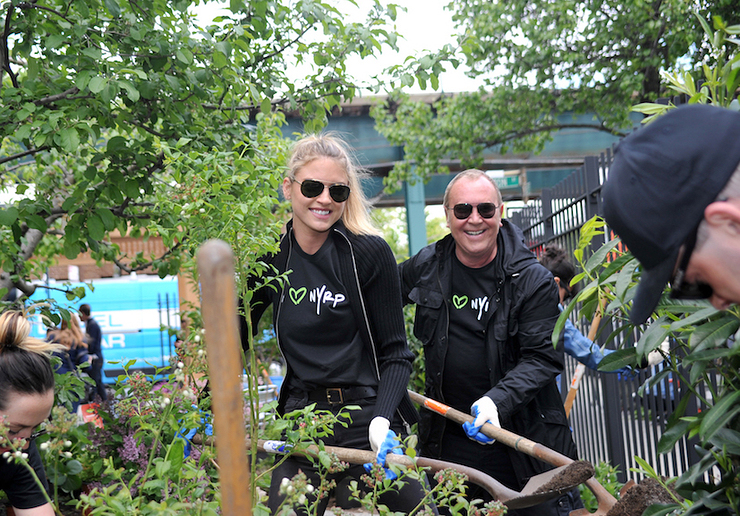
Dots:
(311, 188)
(485, 209)
(681, 289)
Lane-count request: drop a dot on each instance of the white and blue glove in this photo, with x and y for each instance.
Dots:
(485, 411)
(383, 441)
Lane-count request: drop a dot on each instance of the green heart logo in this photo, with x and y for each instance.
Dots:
(459, 301)
(296, 295)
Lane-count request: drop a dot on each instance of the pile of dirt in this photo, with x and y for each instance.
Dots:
(636, 499)
(573, 475)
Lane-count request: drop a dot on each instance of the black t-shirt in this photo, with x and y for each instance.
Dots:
(317, 331)
(475, 297)
(19, 484)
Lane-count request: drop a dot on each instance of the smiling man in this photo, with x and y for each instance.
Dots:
(485, 312)
(673, 197)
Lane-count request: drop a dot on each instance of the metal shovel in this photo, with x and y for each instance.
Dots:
(605, 500)
(529, 496)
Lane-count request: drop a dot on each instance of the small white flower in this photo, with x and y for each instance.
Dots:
(186, 206)
(180, 365)
(166, 402)
(44, 446)
(302, 499)
(289, 490)
(196, 338)
(24, 455)
(201, 352)
(67, 444)
(309, 488)
(283, 483)
(18, 454)
(68, 454)
(202, 210)
(7, 455)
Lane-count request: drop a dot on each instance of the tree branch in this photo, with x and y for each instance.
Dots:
(59, 96)
(23, 154)
(141, 267)
(4, 52)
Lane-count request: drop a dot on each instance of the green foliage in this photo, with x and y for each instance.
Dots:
(715, 82)
(115, 117)
(704, 357)
(541, 63)
(606, 475)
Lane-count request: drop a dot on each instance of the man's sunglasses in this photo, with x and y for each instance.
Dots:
(311, 188)
(485, 209)
(680, 288)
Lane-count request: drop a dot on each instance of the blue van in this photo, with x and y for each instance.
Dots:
(133, 314)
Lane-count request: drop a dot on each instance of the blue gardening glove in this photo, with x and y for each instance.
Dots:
(485, 411)
(389, 444)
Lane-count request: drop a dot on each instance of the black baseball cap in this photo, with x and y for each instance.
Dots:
(662, 178)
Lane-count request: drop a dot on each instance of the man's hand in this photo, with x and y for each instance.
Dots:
(485, 411)
(383, 441)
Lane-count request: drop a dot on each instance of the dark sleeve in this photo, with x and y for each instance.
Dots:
(539, 361)
(20, 485)
(381, 291)
(95, 338)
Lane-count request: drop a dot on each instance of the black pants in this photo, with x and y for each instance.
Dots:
(354, 436)
(96, 373)
(493, 459)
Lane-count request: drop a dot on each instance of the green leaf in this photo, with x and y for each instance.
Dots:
(109, 220)
(69, 140)
(95, 227)
(8, 216)
(97, 84)
(719, 415)
(36, 222)
(117, 144)
(113, 7)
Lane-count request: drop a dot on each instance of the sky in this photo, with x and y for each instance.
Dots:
(425, 25)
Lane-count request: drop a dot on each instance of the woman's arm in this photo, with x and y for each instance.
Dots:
(41, 510)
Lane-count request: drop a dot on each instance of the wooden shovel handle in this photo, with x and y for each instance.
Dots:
(519, 443)
(216, 271)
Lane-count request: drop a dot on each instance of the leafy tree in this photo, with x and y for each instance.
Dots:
(130, 117)
(540, 62)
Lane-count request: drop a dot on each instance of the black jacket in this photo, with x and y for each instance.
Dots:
(367, 263)
(522, 360)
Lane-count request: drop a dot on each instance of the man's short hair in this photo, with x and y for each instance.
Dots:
(471, 173)
(85, 309)
(662, 178)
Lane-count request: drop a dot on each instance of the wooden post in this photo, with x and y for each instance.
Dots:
(218, 294)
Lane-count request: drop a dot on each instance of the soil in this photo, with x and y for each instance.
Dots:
(575, 474)
(636, 499)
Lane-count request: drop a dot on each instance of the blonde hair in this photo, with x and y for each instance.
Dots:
(70, 334)
(15, 332)
(328, 145)
(24, 360)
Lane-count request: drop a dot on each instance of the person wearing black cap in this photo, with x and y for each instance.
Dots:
(673, 197)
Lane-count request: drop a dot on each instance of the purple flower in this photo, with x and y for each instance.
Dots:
(130, 450)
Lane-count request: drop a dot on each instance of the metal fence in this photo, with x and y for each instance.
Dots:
(611, 421)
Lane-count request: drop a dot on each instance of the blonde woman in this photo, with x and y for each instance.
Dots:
(339, 321)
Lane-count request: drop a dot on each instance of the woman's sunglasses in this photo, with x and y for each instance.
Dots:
(485, 209)
(311, 188)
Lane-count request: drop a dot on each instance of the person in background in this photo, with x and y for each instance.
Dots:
(26, 400)
(94, 349)
(339, 319)
(576, 344)
(485, 313)
(71, 337)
